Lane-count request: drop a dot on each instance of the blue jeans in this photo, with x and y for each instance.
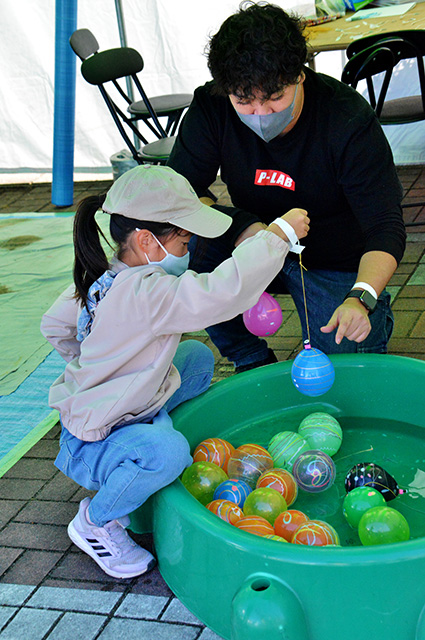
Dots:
(325, 291)
(138, 459)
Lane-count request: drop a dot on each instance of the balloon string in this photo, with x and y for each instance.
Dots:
(304, 296)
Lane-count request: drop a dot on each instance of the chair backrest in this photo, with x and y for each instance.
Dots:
(83, 43)
(414, 37)
(372, 55)
(367, 64)
(116, 66)
(112, 64)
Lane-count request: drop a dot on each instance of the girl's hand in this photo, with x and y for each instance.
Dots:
(299, 221)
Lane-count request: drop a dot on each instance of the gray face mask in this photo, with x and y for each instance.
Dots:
(269, 126)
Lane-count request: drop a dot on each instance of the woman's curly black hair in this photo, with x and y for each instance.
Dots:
(259, 49)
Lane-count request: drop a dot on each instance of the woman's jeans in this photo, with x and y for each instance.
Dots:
(136, 460)
(325, 291)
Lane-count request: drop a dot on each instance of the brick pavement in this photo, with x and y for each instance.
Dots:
(43, 575)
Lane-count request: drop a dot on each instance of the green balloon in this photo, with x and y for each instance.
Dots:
(383, 525)
(202, 478)
(285, 447)
(322, 431)
(265, 502)
(358, 501)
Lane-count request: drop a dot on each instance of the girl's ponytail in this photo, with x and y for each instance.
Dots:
(90, 260)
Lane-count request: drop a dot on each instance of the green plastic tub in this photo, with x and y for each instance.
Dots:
(248, 588)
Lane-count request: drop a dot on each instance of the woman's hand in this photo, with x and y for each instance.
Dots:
(351, 320)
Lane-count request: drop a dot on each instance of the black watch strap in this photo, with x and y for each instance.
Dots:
(366, 298)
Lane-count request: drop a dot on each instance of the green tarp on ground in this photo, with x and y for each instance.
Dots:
(36, 257)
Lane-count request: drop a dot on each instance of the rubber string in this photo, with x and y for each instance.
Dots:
(304, 297)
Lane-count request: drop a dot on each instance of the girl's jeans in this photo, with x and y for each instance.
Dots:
(136, 460)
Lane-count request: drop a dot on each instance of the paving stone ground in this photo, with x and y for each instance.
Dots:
(48, 588)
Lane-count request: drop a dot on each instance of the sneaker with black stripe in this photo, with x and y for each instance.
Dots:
(110, 546)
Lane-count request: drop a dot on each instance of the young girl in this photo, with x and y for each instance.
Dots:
(119, 329)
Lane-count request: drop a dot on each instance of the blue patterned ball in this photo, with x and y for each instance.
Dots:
(234, 490)
(312, 372)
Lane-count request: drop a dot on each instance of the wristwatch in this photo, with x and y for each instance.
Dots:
(366, 298)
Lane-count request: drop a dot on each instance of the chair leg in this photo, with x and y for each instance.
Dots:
(173, 122)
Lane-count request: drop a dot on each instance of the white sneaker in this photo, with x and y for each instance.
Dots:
(110, 546)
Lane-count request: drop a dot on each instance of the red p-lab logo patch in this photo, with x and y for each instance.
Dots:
(271, 177)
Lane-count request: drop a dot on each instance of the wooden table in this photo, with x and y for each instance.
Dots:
(338, 34)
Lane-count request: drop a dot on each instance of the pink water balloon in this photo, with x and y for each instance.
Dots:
(265, 317)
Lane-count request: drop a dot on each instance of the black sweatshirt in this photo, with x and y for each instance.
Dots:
(335, 163)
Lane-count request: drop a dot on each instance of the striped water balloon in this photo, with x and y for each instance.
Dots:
(256, 525)
(316, 533)
(285, 447)
(312, 372)
(322, 431)
(226, 510)
(282, 481)
(214, 450)
(248, 462)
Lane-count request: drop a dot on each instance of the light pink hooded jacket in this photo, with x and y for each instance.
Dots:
(123, 370)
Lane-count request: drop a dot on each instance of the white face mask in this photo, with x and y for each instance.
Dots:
(269, 126)
(173, 265)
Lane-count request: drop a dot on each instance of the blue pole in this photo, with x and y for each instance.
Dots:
(64, 105)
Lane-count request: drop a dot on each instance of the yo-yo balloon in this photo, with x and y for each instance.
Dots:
(369, 474)
(322, 431)
(316, 533)
(383, 525)
(358, 501)
(201, 479)
(265, 502)
(248, 462)
(314, 471)
(265, 317)
(312, 372)
(285, 447)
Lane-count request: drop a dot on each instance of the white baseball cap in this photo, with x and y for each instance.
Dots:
(156, 193)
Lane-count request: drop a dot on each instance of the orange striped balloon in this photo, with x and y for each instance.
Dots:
(316, 533)
(288, 522)
(226, 510)
(277, 538)
(256, 525)
(256, 450)
(214, 450)
(281, 480)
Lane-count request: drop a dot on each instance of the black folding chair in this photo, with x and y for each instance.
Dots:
(370, 56)
(374, 59)
(110, 71)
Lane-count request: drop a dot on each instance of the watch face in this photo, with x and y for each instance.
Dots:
(366, 298)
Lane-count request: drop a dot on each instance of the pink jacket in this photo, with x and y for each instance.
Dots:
(123, 370)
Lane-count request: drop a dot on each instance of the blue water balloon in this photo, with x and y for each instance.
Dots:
(312, 372)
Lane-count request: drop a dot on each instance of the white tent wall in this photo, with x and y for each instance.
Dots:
(171, 35)
(26, 99)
